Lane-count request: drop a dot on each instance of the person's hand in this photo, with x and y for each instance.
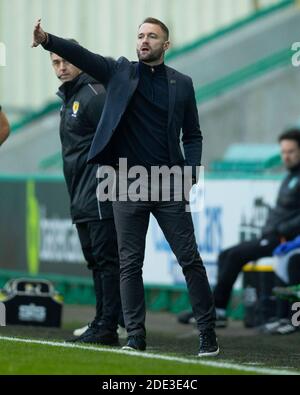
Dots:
(39, 36)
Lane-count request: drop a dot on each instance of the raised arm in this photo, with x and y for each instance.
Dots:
(97, 66)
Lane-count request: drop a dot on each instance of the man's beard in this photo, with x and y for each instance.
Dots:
(292, 166)
(150, 56)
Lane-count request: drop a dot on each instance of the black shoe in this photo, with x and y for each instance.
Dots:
(285, 328)
(96, 334)
(271, 326)
(208, 344)
(136, 343)
(186, 317)
(80, 331)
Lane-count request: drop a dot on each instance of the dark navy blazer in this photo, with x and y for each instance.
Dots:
(121, 78)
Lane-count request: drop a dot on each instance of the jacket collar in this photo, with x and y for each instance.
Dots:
(145, 68)
(172, 84)
(68, 89)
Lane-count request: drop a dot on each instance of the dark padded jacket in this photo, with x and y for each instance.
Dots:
(83, 101)
(284, 219)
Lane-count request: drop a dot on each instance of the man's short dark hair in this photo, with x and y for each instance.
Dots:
(155, 21)
(291, 134)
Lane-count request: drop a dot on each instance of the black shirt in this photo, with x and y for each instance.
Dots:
(142, 136)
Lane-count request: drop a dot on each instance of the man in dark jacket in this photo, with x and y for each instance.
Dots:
(283, 223)
(83, 99)
(148, 104)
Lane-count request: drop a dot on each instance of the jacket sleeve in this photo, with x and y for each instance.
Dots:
(97, 66)
(290, 228)
(191, 133)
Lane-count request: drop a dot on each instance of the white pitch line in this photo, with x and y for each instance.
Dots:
(224, 365)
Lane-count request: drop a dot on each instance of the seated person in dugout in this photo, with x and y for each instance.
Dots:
(283, 223)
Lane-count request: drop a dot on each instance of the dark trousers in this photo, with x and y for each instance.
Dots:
(132, 219)
(231, 261)
(99, 245)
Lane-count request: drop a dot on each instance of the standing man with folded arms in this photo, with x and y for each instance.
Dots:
(147, 106)
(4, 127)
